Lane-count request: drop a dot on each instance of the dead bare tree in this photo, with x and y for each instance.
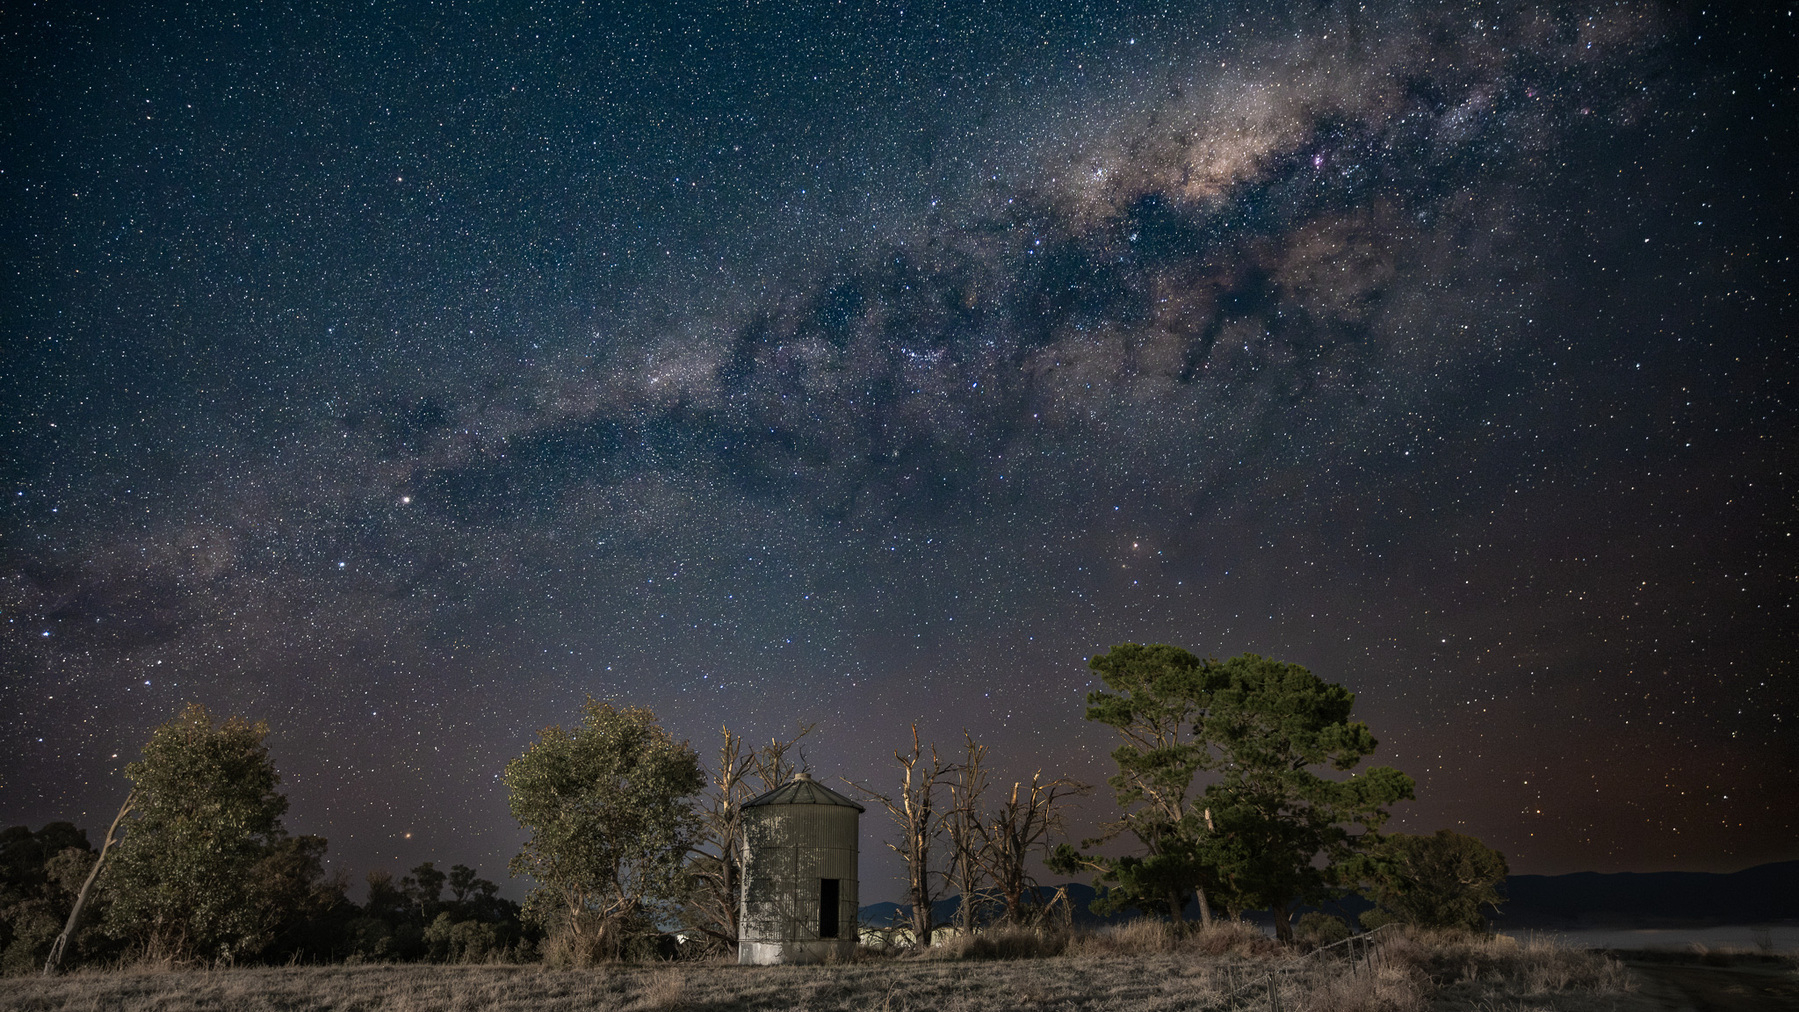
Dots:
(914, 812)
(1019, 827)
(58, 947)
(770, 763)
(967, 871)
(716, 865)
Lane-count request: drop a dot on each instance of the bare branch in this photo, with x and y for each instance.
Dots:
(967, 871)
(915, 814)
(1019, 827)
(54, 963)
(715, 864)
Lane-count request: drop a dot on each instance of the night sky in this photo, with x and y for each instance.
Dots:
(403, 376)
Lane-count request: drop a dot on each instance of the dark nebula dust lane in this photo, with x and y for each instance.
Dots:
(404, 376)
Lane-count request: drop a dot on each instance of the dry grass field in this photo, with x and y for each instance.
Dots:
(1140, 967)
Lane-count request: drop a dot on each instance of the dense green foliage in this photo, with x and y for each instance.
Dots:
(40, 874)
(404, 922)
(412, 920)
(1157, 695)
(1269, 830)
(206, 869)
(1285, 833)
(207, 874)
(1437, 881)
(1318, 928)
(606, 806)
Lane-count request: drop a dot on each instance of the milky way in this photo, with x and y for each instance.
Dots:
(404, 378)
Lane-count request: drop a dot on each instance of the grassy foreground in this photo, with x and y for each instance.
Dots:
(1142, 966)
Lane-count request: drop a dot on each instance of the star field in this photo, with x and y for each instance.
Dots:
(403, 376)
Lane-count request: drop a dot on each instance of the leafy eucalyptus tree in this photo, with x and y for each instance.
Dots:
(191, 879)
(606, 806)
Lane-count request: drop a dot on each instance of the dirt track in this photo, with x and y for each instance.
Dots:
(1693, 987)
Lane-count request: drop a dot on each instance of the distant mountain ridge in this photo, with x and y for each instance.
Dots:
(1767, 892)
(1762, 894)
(1079, 895)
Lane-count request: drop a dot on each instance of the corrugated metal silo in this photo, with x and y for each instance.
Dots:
(800, 894)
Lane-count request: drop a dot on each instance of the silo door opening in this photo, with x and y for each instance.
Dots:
(827, 907)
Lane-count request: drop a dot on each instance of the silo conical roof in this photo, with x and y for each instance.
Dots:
(803, 790)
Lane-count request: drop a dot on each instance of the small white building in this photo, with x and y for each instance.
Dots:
(800, 867)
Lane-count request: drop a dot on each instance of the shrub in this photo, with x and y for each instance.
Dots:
(566, 950)
(1130, 938)
(1008, 942)
(1229, 938)
(1150, 936)
(1321, 929)
(1535, 965)
(451, 941)
(1438, 881)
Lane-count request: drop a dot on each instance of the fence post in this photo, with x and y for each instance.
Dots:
(1274, 994)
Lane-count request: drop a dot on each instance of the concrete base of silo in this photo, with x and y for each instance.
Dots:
(794, 953)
